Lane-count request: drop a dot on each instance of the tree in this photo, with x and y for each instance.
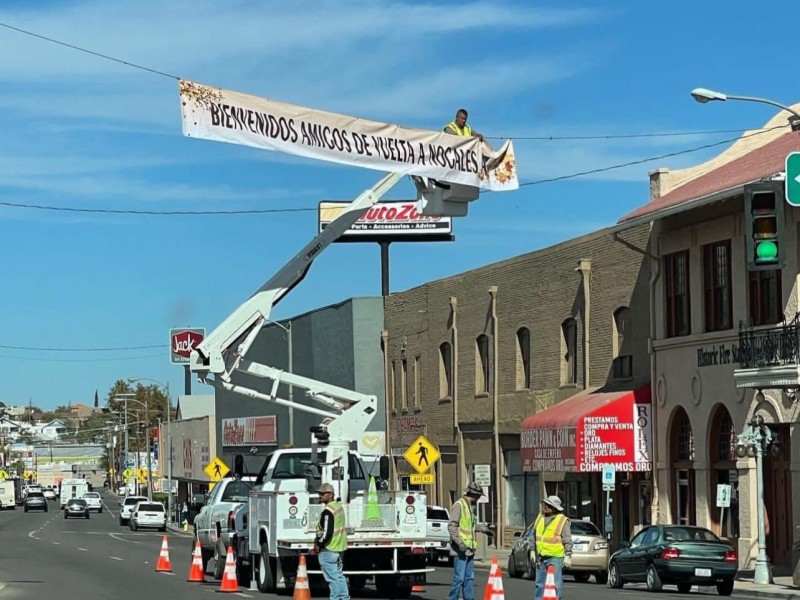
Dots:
(96, 399)
(155, 398)
(93, 429)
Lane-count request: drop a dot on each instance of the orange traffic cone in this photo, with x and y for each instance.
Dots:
(498, 593)
(550, 591)
(301, 589)
(487, 593)
(196, 570)
(229, 581)
(163, 565)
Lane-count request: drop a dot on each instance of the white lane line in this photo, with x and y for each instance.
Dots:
(116, 537)
(56, 543)
(82, 549)
(115, 558)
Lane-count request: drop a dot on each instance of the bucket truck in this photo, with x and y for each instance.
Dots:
(386, 529)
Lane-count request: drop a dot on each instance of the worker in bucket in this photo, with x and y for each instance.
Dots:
(462, 528)
(331, 542)
(458, 126)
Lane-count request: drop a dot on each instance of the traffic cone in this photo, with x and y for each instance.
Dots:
(301, 589)
(550, 591)
(498, 593)
(196, 570)
(487, 593)
(229, 581)
(163, 565)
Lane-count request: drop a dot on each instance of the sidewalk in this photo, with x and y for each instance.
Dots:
(178, 530)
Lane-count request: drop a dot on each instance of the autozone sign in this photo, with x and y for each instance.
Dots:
(182, 342)
(395, 219)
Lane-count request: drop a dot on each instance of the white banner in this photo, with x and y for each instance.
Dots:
(225, 116)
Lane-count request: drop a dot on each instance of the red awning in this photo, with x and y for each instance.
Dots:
(591, 430)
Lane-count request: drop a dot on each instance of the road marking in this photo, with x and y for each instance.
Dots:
(115, 558)
(56, 543)
(116, 537)
(82, 549)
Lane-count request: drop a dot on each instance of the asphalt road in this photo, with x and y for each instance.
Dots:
(43, 555)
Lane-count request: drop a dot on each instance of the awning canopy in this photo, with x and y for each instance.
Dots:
(590, 430)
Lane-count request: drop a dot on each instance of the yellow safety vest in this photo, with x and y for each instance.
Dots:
(338, 541)
(466, 525)
(466, 132)
(548, 538)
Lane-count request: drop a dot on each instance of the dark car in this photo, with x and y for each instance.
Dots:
(76, 507)
(681, 555)
(35, 501)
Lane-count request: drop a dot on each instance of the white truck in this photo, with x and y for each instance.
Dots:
(387, 529)
(213, 524)
(8, 496)
(72, 488)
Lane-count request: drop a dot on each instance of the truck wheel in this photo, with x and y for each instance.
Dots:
(357, 582)
(265, 575)
(219, 563)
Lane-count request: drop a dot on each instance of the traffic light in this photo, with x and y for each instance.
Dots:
(763, 220)
(320, 434)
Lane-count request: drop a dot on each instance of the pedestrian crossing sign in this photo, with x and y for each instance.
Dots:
(127, 474)
(216, 469)
(421, 455)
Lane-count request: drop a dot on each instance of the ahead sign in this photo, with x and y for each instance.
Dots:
(793, 179)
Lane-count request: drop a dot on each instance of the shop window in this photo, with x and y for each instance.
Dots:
(717, 289)
(404, 384)
(416, 389)
(482, 364)
(569, 348)
(685, 505)
(445, 370)
(521, 492)
(623, 360)
(523, 359)
(726, 439)
(682, 456)
(676, 286)
(765, 297)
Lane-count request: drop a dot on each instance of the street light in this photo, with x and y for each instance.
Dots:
(287, 329)
(147, 443)
(755, 441)
(169, 438)
(704, 95)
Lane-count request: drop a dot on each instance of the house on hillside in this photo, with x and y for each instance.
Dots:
(52, 430)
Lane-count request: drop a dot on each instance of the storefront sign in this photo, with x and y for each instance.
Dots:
(614, 430)
(405, 430)
(249, 431)
(722, 354)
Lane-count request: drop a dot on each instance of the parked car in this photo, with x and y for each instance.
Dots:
(76, 507)
(126, 508)
(438, 518)
(149, 514)
(681, 555)
(589, 553)
(35, 501)
(519, 561)
(94, 501)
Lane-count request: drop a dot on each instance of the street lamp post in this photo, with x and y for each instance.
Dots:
(704, 95)
(169, 439)
(756, 440)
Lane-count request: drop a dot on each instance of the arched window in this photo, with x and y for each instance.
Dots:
(569, 351)
(620, 344)
(722, 451)
(682, 455)
(445, 370)
(482, 364)
(523, 359)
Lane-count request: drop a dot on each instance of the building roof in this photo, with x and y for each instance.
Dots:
(752, 166)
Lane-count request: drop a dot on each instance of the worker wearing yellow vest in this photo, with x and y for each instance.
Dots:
(331, 542)
(462, 528)
(553, 539)
(459, 126)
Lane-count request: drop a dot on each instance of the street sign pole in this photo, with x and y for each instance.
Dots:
(792, 185)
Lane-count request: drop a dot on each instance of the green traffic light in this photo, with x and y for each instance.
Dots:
(766, 251)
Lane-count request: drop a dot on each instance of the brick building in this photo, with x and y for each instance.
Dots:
(710, 308)
(468, 358)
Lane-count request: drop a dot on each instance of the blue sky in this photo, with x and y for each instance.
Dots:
(80, 131)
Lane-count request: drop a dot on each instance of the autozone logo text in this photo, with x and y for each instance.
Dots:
(395, 212)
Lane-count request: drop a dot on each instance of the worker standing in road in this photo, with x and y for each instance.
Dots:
(553, 539)
(462, 529)
(459, 126)
(331, 542)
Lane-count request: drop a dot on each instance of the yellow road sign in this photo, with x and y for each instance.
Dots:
(216, 469)
(421, 455)
(3, 474)
(127, 474)
(141, 473)
(29, 474)
(422, 479)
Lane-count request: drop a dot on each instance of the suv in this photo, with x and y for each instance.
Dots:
(149, 514)
(127, 506)
(35, 501)
(93, 501)
(438, 519)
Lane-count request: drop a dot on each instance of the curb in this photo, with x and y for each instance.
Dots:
(783, 595)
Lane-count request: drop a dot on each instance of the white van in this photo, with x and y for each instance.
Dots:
(7, 497)
(72, 488)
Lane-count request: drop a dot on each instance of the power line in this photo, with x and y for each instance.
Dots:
(154, 212)
(81, 360)
(87, 51)
(623, 136)
(43, 349)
